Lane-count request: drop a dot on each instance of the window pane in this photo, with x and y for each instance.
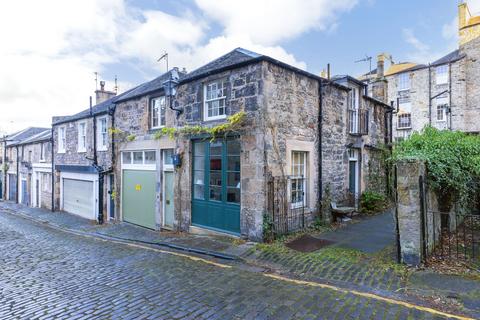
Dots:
(127, 157)
(199, 148)
(215, 179)
(233, 179)
(138, 157)
(199, 163)
(216, 193)
(233, 147)
(215, 163)
(216, 148)
(150, 157)
(199, 192)
(233, 195)
(167, 156)
(233, 163)
(199, 177)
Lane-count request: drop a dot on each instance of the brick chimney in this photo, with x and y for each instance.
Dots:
(103, 95)
(468, 25)
(463, 15)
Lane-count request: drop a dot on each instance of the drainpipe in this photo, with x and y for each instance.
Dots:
(320, 157)
(95, 165)
(18, 177)
(4, 163)
(450, 94)
(53, 170)
(429, 94)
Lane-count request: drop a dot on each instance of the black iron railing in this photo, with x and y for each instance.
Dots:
(286, 205)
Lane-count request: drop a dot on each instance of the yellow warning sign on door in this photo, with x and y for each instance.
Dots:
(138, 187)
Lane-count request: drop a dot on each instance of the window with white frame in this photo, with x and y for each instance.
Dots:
(157, 112)
(215, 94)
(353, 110)
(62, 141)
(147, 157)
(298, 184)
(403, 81)
(441, 74)
(82, 137)
(102, 134)
(404, 121)
(442, 109)
(42, 152)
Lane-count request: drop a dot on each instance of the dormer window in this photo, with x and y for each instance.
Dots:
(215, 96)
(157, 112)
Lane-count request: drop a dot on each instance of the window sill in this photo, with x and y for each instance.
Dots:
(406, 128)
(61, 152)
(102, 149)
(215, 118)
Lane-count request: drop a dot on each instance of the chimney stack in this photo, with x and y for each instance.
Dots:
(103, 95)
(463, 15)
(380, 65)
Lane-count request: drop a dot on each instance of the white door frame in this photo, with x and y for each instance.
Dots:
(355, 157)
(38, 169)
(166, 168)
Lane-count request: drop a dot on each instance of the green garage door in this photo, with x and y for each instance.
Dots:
(138, 197)
(216, 185)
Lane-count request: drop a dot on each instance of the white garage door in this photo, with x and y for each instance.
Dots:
(78, 198)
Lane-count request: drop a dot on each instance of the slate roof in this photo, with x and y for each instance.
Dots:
(97, 109)
(234, 57)
(151, 86)
(451, 57)
(42, 136)
(23, 135)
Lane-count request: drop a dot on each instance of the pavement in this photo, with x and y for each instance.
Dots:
(124, 271)
(369, 235)
(52, 273)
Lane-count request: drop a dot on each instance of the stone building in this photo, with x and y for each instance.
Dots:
(443, 93)
(26, 167)
(192, 182)
(83, 160)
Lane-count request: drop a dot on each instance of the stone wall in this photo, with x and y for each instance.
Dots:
(472, 82)
(71, 156)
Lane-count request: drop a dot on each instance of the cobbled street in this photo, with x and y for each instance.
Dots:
(45, 274)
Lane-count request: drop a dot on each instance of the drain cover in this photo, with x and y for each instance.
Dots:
(308, 243)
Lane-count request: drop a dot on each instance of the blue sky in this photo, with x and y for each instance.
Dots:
(54, 48)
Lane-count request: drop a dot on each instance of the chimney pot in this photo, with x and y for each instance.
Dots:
(102, 85)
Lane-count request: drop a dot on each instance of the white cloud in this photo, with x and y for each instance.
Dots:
(270, 21)
(51, 50)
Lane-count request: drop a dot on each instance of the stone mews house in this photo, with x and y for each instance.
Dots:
(221, 184)
(27, 171)
(83, 160)
(443, 94)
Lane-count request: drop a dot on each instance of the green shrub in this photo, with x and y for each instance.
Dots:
(372, 202)
(452, 159)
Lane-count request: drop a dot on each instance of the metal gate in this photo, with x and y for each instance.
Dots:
(447, 235)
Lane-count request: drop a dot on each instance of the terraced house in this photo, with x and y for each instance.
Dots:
(83, 160)
(318, 136)
(27, 167)
(443, 93)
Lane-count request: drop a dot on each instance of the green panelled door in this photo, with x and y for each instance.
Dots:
(139, 197)
(216, 185)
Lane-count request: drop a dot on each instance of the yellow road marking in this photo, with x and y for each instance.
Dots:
(368, 295)
(278, 277)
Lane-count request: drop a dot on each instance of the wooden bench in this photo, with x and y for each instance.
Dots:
(341, 212)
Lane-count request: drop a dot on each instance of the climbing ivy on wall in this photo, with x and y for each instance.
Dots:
(452, 159)
(233, 124)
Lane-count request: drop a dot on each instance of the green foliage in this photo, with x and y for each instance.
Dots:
(452, 159)
(5, 167)
(267, 228)
(372, 202)
(131, 137)
(234, 123)
(112, 131)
